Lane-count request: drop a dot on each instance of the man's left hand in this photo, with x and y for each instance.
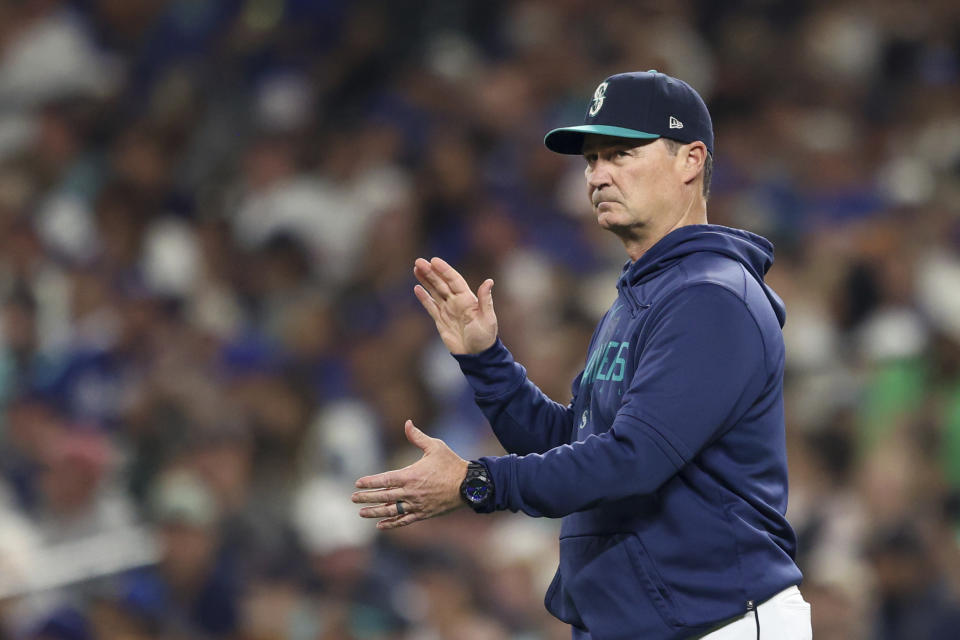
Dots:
(428, 488)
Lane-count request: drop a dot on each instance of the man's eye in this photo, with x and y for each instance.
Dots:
(623, 153)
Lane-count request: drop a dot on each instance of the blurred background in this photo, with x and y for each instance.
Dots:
(209, 213)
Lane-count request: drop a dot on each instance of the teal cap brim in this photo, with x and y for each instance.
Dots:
(569, 140)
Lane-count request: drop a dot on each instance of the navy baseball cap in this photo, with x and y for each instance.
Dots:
(642, 105)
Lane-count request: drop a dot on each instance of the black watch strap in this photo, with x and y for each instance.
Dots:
(477, 487)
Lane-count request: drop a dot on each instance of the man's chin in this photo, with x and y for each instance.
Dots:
(610, 219)
(617, 225)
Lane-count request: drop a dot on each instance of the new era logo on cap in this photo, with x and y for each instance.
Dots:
(639, 105)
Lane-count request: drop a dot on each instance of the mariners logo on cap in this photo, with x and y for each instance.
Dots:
(598, 97)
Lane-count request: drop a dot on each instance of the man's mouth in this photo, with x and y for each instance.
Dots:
(600, 200)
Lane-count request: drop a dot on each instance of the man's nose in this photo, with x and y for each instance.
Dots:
(598, 175)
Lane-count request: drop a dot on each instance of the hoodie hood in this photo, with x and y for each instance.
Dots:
(754, 252)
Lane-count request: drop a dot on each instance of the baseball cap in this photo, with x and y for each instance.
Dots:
(642, 105)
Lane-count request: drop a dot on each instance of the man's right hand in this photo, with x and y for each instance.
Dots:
(466, 322)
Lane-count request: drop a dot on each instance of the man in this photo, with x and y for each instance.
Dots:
(669, 465)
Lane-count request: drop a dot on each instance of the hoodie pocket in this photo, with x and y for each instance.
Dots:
(558, 602)
(646, 570)
(613, 587)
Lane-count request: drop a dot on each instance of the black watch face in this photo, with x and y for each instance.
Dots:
(477, 490)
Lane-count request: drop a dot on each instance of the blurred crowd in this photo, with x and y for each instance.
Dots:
(209, 213)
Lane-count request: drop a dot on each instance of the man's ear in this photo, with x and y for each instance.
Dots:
(692, 157)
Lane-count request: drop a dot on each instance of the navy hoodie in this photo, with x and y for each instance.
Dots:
(669, 465)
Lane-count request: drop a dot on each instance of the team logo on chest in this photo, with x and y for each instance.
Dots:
(598, 97)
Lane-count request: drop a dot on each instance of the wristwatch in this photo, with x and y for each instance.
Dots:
(477, 487)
